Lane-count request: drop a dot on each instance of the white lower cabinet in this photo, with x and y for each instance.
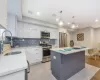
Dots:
(34, 55)
(14, 76)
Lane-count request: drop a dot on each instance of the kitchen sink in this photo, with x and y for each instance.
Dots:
(76, 48)
(13, 53)
(71, 49)
(66, 49)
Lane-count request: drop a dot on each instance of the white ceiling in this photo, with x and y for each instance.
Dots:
(86, 11)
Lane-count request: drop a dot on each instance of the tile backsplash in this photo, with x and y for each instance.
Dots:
(29, 41)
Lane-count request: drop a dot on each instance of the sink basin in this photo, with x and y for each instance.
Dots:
(13, 53)
(66, 49)
(70, 49)
(76, 48)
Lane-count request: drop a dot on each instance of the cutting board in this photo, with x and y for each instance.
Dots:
(6, 48)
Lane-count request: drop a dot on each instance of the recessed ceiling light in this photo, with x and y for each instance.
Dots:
(38, 13)
(73, 26)
(68, 23)
(57, 19)
(61, 23)
(96, 20)
(77, 26)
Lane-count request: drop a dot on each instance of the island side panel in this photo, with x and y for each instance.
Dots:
(56, 64)
(71, 64)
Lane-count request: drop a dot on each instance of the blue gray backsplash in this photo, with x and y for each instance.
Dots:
(29, 41)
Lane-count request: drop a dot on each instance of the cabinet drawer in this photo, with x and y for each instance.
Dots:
(34, 55)
(38, 50)
(38, 56)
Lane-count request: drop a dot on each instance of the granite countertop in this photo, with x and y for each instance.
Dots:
(13, 63)
(69, 50)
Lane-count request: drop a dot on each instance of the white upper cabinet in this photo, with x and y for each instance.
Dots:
(20, 30)
(31, 31)
(12, 25)
(3, 13)
(46, 29)
(26, 30)
(15, 8)
(54, 33)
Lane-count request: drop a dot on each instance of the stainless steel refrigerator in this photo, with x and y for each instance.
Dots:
(62, 39)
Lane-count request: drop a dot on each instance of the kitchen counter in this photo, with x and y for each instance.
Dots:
(13, 63)
(27, 47)
(66, 62)
(69, 50)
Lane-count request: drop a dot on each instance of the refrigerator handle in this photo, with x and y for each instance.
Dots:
(28, 70)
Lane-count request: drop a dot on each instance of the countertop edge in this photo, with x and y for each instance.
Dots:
(70, 52)
(13, 71)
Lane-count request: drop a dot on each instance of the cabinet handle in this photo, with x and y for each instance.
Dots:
(36, 49)
(28, 70)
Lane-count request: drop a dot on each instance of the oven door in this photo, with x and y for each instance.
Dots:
(46, 52)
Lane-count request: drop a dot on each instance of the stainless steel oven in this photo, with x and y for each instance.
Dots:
(46, 51)
(46, 54)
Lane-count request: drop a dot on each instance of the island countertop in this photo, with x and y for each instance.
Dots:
(69, 50)
(12, 63)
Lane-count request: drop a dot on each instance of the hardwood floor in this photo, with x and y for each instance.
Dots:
(95, 63)
(97, 76)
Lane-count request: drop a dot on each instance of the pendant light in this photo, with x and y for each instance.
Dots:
(74, 25)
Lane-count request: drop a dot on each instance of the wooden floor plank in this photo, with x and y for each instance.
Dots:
(96, 76)
(96, 63)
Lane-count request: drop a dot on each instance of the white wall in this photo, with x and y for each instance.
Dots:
(97, 37)
(88, 37)
(3, 13)
(92, 38)
(15, 7)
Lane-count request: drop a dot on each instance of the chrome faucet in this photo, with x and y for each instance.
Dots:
(3, 42)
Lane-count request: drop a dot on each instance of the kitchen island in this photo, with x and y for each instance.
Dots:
(66, 62)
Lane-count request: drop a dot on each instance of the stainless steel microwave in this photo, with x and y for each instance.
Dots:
(45, 34)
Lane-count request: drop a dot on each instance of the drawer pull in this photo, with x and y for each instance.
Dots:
(36, 49)
(54, 57)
